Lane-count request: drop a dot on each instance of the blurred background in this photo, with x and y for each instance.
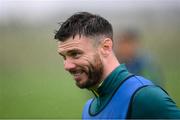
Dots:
(33, 83)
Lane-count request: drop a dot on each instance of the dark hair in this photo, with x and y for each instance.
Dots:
(86, 24)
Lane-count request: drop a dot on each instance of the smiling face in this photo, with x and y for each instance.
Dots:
(82, 60)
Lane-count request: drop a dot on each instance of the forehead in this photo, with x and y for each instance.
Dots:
(75, 43)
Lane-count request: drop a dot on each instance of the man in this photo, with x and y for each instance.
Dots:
(85, 43)
(128, 50)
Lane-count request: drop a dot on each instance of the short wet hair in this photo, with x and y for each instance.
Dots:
(85, 24)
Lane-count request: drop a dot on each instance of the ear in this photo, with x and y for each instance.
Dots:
(106, 47)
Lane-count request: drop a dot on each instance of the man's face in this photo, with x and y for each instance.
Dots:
(82, 60)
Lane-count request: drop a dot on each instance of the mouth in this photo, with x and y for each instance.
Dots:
(77, 74)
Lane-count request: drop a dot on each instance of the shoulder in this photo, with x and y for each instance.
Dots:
(153, 102)
(152, 91)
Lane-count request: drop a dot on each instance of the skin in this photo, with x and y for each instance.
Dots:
(89, 64)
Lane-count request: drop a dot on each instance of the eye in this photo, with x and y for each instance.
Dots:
(75, 55)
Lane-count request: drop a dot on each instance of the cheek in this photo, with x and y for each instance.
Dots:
(85, 60)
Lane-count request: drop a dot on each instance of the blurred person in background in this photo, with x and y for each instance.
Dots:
(129, 50)
(85, 42)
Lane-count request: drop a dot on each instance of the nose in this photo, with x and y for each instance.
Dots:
(68, 65)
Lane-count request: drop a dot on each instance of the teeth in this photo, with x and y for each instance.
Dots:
(76, 73)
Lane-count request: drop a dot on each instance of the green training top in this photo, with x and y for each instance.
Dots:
(152, 102)
(148, 102)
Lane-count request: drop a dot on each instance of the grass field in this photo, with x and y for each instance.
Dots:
(33, 83)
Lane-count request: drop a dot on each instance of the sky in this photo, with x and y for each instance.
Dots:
(32, 11)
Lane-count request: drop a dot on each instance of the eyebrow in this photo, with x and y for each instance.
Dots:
(70, 51)
(61, 54)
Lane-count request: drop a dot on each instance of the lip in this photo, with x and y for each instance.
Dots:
(77, 74)
(77, 78)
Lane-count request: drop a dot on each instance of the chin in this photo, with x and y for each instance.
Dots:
(83, 85)
(80, 86)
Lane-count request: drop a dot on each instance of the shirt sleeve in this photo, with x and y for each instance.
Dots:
(153, 102)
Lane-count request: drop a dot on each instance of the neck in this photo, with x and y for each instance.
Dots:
(109, 65)
(108, 88)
